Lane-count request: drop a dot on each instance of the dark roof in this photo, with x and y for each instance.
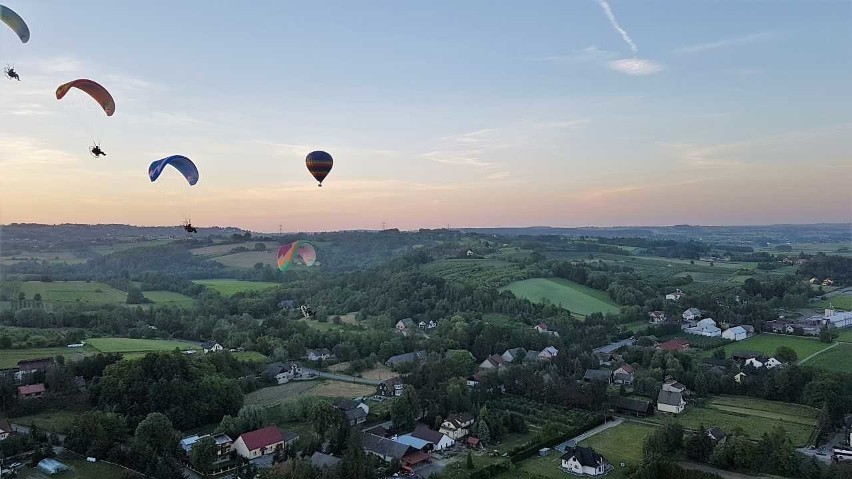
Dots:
(584, 455)
(346, 404)
(5, 426)
(423, 432)
(670, 398)
(322, 461)
(391, 382)
(354, 414)
(385, 447)
(674, 344)
(208, 344)
(627, 368)
(459, 419)
(416, 457)
(406, 358)
(378, 431)
(262, 437)
(716, 433)
(632, 404)
(597, 374)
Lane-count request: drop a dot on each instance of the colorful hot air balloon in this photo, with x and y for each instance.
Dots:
(183, 164)
(319, 163)
(93, 89)
(15, 22)
(298, 252)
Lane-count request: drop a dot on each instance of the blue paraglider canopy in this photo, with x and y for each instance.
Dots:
(181, 163)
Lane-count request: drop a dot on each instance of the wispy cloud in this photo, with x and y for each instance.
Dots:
(588, 54)
(463, 158)
(724, 43)
(500, 175)
(636, 66)
(614, 22)
(30, 152)
(563, 124)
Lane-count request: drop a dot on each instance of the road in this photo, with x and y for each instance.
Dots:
(725, 474)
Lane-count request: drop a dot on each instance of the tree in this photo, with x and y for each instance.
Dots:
(719, 353)
(469, 460)
(95, 433)
(156, 435)
(325, 417)
(482, 431)
(826, 335)
(134, 295)
(699, 446)
(203, 454)
(228, 425)
(786, 354)
(251, 417)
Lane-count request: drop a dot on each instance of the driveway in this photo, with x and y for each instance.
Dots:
(591, 432)
(824, 452)
(725, 474)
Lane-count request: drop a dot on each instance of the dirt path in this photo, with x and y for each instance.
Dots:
(803, 361)
(724, 473)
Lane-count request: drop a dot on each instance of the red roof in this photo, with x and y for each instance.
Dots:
(472, 441)
(415, 458)
(627, 368)
(676, 344)
(31, 389)
(262, 438)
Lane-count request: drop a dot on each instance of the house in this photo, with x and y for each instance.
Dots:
(738, 378)
(674, 296)
(31, 391)
(29, 367)
(597, 375)
(284, 372)
(772, 363)
(754, 362)
(827, 282)
(379, 430)
(495, 361)
(406, 324)
(223, 443)
(670, 401)
(676, 344)
(319, 354)
(386, 449)
(390, 387)
(543, 329)
(406, 358)
(705, 327)
(584, 461)
(691, 314)
(674, 386)
(737, 333)
(51, 466)
(353, 411)
(263, 441)
(623, 375)
(431, 324)
(657, 317)
(5, 429)
(634, 406)
(438, 440)
(474, 379)
(324, 461)
(548, 353)
(716, 434)
(415, 442)
(457, 426)
(512, 355)
(211, 347)
(613, 347)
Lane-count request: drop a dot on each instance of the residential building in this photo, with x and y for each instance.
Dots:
(354, 412)
(211, 347)
(27, 368)
(738, 378)
(772, 363)
(390, 387)
(386, 449)
(319, 354)
(633, 406)
(657, 317)
(754, 362)
(584, 461)
(543, 329)
(324, 461)
(263, 441)
(674, 296)
(692, 314)
(457, 426)
(406, 324)
(737, 333)
(676, 344)
(405, 358)
(548, 353)
(597, 375)
(474, 379)
(623, 375)
(495, 361)
(670, 401)
(284, 372)
(223, 443)
(438, 440)
(512, 355)
(5, 429)
(31, 391)
(715, 434)
(705, 327)
(674, 386)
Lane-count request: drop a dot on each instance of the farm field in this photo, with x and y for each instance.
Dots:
(331, 389)
(224, 249)
(9, 357)
(839, 301)
(754, 416)
(838, 358)
(230, 287)
(128, 345)
(73, 291)
(169, 297)
(58, 257)
(54, 421)
(490, 272)
(768, 343)
(561, 292)
(379, 373)
(248, 259)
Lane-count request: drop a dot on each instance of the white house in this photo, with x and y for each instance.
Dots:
(674, 296)
(657, 317)
(262, 442)
(548, 353)
(738, 378)
(670, 401)
(584, 461)
(543, 329)
(772, 363)
(5, 429)
(737, 333)
(753, 362)
(457, 426)
(286, 372)
(691, 314)
(211, 347)
(438, 440)
(705, 327)
(317, 354)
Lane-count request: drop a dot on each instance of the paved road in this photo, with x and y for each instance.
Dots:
(598, 429)
(724, 473)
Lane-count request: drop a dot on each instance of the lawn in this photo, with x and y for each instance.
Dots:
(845, 335)
(561, 292)
(248, 259)
(331, 389)
(252, 356)
(838, 358)
(9, 357)
(169, 297)
(768, 343)
(839, 301)
(80, 469)
(55, 421)
(754, 416)
(73, 291)
(230, 287)
(127, 345)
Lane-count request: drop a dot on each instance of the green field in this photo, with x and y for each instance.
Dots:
(477, 272)
(838, 358)
(80, 469)
(59, 257)
(229, 287)
(248, 259)
(561, 292)
(224, 249)
(845, 335)
(9, 357)
(754, 416)
(839, 301)
(768, 343)
(54, 421)
(169, 297)
(73, 291)
(128, 345)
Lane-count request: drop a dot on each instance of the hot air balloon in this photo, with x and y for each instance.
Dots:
(319, 163)
(297, 252)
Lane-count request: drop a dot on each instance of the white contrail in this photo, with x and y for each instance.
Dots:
(617, 27)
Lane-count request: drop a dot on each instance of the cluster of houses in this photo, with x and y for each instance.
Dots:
(256, 446)
(25, 376)
(407, 326)
(692, 323)
(811, 326)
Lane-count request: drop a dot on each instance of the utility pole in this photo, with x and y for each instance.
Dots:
(384, 226)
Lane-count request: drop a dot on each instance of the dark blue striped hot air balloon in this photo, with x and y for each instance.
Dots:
(319, 163)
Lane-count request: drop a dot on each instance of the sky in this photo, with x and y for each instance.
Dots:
(439, 113)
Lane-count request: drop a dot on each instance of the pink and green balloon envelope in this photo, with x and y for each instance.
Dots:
(297, 252)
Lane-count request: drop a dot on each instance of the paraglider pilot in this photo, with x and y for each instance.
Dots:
(11, 73)
(97, 152)
(189, 228)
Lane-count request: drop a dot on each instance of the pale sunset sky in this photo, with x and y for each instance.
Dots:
(441, 112)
